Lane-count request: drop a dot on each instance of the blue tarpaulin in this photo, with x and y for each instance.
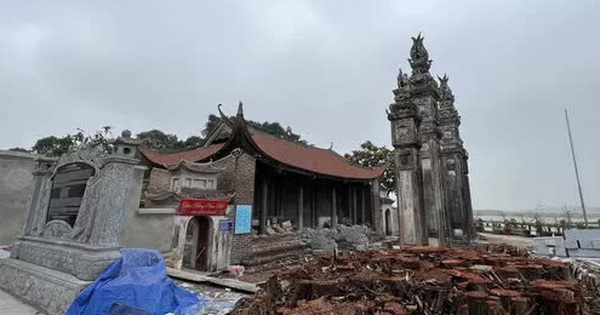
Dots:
(138, 280)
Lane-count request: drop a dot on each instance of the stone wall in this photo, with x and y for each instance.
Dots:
(16, 183)
(160, 180)
(245, 177)
(245, 195)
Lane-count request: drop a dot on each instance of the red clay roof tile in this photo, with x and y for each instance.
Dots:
(312, 159)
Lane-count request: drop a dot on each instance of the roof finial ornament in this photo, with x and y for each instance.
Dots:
(330, 146)
(445, 90)
(224, 117)
(402, 78)
(419, 57)
(240, 111)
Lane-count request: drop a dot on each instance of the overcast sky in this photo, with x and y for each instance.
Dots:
(326, 68)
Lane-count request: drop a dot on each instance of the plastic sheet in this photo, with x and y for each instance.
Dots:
(138, 280)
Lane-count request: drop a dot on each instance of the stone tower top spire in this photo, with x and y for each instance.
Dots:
(419, 57)
(445, 91)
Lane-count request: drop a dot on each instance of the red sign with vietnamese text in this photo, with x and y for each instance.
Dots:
(202, 207)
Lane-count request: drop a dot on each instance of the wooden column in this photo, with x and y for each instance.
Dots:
(363, 205)
(354, 194)
(334, 214)
(280, 203)
(313, 210)
(300, 208)
(264, 206)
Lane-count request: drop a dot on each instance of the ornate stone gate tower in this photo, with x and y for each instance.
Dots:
(425, 94)
(441, 191)
(454, 158)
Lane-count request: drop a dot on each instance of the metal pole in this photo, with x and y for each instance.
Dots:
(576, 170)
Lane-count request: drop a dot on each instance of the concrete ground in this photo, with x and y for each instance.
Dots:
(10, 305)
(517, 241)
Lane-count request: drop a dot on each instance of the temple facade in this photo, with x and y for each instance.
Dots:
(434, 198)
(282, 186)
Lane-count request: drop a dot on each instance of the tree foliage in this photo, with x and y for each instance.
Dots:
(159, 140)
(54, 146)
(155, 139)
(370, 155)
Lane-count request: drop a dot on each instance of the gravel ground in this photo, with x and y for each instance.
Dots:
(517, 241)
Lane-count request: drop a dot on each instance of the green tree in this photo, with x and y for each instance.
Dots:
(157, 139)
(370, 155)
(54, 146)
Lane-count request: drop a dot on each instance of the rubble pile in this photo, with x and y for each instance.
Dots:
(422, 280)
(325, 240)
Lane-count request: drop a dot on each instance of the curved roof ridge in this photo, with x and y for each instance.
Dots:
(328, 150)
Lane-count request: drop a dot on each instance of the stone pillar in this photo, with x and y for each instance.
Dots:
(454, 157)
(264, 206)
(376, 207)
(424, 93)
(334, 214)
(405, 139)
(300, 208)
(467, 201)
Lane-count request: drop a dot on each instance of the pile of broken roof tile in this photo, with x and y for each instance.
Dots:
(422, 280)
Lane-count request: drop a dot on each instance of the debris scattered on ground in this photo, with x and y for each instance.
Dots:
(497, 279)
(325, 240)
(219, 301)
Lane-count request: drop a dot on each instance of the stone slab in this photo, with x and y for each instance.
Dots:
(197, 277)
(571, 244)
(46, 289)
(591, 253)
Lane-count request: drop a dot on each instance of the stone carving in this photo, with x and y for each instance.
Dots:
(445, 91)
(74, 224)
(93, 155)
(46, 289)
(419, 57)
(57, 229)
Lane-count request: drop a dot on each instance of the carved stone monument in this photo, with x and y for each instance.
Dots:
(442, 190)
(74, 223)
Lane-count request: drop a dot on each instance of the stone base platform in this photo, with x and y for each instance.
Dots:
(83, 261)
(46, 289)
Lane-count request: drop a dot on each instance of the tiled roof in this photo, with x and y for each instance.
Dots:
(317, 160)
(168, 160)
(307, 158)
